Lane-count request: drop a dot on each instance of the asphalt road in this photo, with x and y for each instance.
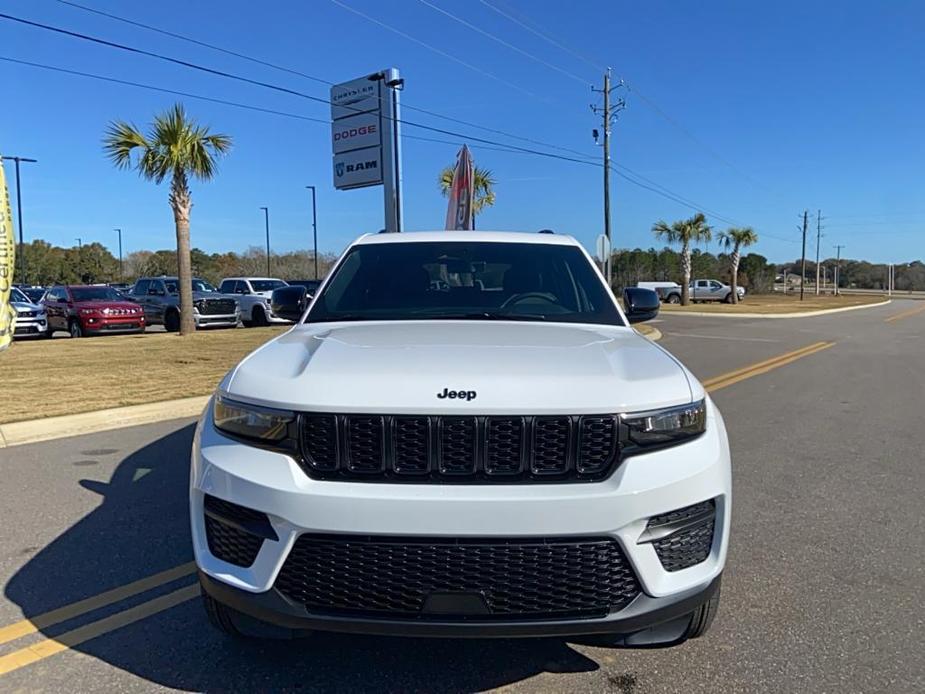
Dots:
(822, 593)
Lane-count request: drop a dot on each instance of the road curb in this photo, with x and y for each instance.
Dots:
(34, 430)
(651, 333)
(802, 314)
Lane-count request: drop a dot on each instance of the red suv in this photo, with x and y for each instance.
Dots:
(88, 310)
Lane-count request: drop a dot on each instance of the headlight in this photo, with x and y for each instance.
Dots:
(666, 427)
(88, 311)
(251, 421)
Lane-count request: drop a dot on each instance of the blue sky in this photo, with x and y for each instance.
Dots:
(755, 111)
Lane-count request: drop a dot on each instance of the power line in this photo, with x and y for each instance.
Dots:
(259, 61)
(497, 39)
(664, 192)
(439, 51)
(597, 66)
(631, 87)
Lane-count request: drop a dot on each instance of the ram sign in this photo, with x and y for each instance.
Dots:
(359, 168)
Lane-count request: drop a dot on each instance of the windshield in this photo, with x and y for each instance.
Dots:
(198, 286)
(466, 280)
(266, 285)
(95, 294)
(16, 295)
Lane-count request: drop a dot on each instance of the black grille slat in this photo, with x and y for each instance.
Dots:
(458, 441)
(451, 449)
(319, 441)
(411, 445)
(504, 445)
(230, 541)
(597, 443)
(393, 577)
(551, 444)
(215, 307)
(365, 444)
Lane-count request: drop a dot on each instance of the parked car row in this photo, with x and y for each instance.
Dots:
(82, 310)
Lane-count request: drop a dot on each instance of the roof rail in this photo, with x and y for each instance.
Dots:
(546, 231)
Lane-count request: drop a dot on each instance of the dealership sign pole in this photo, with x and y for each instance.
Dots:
(365, 138)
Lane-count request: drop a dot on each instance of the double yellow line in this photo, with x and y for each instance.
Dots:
(48, 647)
(904, 314)
(728, 379)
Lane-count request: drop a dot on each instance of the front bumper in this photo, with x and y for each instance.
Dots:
(618, 507)
(222, 321)
(121, 324)
(28, 327)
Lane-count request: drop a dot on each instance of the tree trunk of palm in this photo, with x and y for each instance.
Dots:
(686, 273)
(181, 203)
(736, 256)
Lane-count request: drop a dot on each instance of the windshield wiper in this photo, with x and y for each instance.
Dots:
(483, 315)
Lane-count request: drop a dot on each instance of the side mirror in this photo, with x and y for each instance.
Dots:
(289, 302)
(640, 304)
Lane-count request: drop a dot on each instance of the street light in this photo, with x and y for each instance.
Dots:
(80, 259)
(314, 229)
(22, 254)
(121, 275)
(266, 221)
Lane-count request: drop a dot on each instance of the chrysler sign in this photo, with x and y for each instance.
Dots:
(356, 96)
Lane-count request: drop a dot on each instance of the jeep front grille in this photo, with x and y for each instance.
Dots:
(446, 449)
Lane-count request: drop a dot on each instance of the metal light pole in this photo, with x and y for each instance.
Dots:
(80, 259)
(266, 220)
(121, 274)
(314, 229)
(22, 255)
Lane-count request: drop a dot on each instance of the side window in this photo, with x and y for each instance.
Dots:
(227, 287)
(141, 287)
(701, 284)
(240, 287)
(244, 287)
(715, 285)
(158, 287)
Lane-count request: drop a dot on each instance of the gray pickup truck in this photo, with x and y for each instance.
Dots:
(701, 290)
(160, 299)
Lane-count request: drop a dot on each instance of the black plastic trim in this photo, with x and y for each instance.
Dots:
(642, 613)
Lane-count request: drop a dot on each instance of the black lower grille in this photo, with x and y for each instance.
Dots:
(690, 544)
(215, 307)
(481, 579)
(235, 533)
(448, 449)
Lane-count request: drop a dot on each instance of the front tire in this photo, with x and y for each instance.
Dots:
(674, 299)
(172, 322)
(74, 328)
(220, 616)
(702, 617)
(259, 317)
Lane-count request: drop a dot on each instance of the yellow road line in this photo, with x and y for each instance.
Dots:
(761, 364)
(48, 647)
(904, 314)
(75, 609)
(763, 367)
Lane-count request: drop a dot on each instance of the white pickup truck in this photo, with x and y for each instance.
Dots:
(253, 298)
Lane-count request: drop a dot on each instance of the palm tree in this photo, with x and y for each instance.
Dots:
(737, 238)
(178, 148)
(685, 232)
(484, 194)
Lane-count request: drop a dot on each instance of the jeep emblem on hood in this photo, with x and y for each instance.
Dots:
(457, 394)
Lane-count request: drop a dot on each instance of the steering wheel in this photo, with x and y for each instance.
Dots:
(517, 298)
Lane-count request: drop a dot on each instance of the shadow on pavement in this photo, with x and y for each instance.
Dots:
(141, 528)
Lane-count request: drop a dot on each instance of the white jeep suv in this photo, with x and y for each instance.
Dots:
(463, 436)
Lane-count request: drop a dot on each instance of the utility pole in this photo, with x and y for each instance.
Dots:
(314, 229)
(818, 240)
(609, 114)
(837, 266)
(266, 221)
(21, 259)
(121, 274)
(803, 262)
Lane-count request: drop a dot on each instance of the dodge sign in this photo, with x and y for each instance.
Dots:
(355, 132)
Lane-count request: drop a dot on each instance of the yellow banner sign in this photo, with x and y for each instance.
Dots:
(7, 258)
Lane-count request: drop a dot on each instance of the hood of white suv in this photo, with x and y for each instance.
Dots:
(477, 366)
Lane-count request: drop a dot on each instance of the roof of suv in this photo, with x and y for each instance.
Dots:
(490, 236)
(252, 278)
